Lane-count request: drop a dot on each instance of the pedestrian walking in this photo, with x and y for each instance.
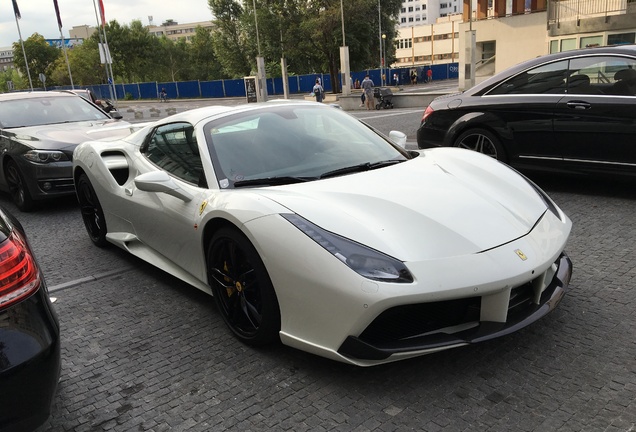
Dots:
(367, 87)
(396, 79)
(429, 75)
(319, 92)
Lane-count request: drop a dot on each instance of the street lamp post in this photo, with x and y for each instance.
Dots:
(384, 65)
(261, 79)
(344, 58)
(380, 36)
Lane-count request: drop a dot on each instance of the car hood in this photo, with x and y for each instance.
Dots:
(66, 136)
(450, 201)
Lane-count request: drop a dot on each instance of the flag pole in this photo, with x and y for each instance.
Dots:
(26, 63)
(59, 25)
(106, 51)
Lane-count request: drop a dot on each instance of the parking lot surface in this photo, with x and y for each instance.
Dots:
(142, 351)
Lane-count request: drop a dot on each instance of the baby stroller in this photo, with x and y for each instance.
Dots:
(384, 97)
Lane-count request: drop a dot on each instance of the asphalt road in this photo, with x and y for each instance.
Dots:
(143, 351)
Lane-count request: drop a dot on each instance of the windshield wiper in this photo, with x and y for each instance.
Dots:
(367, 166)
(272, 181)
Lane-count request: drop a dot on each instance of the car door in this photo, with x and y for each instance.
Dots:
(163, 222)
(595, 123)
(525, 103)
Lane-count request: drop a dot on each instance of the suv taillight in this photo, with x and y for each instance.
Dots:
(19, 275)
(427, 113)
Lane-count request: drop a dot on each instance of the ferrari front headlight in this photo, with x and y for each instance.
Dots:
(45, 156)
(365, 261)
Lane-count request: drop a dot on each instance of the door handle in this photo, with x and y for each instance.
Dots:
(578, 105)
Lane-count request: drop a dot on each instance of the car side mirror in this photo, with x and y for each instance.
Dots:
(398, 138)
(159, 181)
(116, 115)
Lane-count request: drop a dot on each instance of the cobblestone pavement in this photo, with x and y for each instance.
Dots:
(145, 352)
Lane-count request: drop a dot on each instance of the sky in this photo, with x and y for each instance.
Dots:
(39, 15)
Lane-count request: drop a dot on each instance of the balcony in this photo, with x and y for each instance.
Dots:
(582, 16)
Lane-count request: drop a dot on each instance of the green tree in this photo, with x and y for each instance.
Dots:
(172, 60)
(203, 61)
(307, 33)
(229, 40)
(40, 56)
(85, 65)
(19, 81)
(133, 50)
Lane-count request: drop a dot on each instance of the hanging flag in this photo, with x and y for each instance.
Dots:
(57, 12)
(101, 12)
(17, 10)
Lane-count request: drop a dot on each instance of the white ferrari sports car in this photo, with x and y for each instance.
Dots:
(310, 228)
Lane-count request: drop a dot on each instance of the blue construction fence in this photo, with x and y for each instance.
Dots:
(297, 84)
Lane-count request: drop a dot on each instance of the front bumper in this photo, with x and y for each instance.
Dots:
(48, 180)
(429, 327)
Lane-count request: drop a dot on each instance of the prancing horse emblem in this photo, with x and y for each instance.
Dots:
(521, 255)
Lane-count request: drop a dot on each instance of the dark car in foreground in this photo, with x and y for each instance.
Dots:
(29, 334)
(38, 133)
(572, 111)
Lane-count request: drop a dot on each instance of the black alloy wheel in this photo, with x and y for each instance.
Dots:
(92, 213)
(17, 187)
(242, 288)
(482, 141)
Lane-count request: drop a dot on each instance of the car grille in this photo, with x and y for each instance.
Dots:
(428, 319)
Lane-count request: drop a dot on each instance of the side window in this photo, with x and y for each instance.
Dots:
(603, 75)
(173, 148)
(544, 79)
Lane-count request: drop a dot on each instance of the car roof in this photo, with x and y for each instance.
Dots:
(34, 95)
(198, 114)
(627, 49)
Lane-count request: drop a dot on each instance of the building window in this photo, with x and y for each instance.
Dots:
(410, 19)
(568, 44)
(591, 41)
(554, 46)
(621, 38)
(402, 20)
(488, 50)
(410, 8)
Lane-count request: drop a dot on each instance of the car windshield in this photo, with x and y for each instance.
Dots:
(285, 144)
(32, 111)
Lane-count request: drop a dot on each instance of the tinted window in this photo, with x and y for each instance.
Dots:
(173, 148)
(603, 75)
(543, 79)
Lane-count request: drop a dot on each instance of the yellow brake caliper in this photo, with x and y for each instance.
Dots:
(238, 287)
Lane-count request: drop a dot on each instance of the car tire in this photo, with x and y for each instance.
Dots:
(242, 288)
(482, 141)
(92, 212)
(17, 187)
